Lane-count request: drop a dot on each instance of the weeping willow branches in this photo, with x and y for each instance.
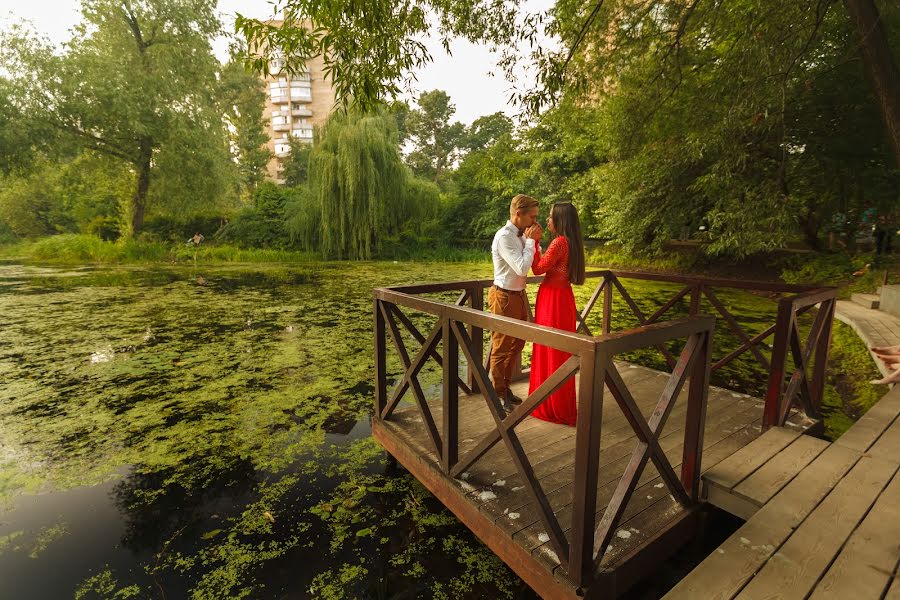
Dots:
(361, 196)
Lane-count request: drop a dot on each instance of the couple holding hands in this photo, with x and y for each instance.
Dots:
(516, 250)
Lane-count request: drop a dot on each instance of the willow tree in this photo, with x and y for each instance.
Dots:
(361, 192)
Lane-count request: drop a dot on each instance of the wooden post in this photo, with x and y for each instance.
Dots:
(772, 410)
(380, 364)
(692, 458)
(696, 295)
(821, 361)
(476, 334)
(587, 461)
(607, 302)
(450, 398)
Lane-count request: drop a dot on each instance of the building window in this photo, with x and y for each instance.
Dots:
(282, 148)
(279, 120)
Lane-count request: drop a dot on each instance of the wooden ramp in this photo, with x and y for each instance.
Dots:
(832, 531)
(491, 499)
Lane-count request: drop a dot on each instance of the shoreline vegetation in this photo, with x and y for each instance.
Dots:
(839, 269)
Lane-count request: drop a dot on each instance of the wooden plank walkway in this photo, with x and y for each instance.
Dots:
(492, 500)
(832, 531)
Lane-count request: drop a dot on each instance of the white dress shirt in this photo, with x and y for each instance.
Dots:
(513, 255)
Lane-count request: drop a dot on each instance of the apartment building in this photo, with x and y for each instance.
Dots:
(295, 104)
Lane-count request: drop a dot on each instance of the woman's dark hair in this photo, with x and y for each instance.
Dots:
(565, 220)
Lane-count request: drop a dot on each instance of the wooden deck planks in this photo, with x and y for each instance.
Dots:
(894, 591)
(888, 445)
(727, 570)
(795, 568)
(863, 570)
(747, 460)
(768, 480)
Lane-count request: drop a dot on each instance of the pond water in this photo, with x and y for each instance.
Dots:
(203, 432)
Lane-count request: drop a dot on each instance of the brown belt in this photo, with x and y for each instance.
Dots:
(508, 291)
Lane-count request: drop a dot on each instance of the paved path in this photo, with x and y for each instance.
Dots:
(874, 327)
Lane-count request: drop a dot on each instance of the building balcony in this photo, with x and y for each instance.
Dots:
(281, 99)
(281, 126)
(301, 96)
(301, 112)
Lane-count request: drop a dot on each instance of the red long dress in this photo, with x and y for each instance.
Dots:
(555, 307)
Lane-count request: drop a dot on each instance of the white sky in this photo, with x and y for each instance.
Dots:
(465, 76)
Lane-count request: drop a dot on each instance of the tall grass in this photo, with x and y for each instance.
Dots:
(81, 249)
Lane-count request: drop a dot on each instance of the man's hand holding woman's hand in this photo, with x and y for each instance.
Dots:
(534, 232)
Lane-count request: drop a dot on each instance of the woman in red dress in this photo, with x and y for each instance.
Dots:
(555, 307)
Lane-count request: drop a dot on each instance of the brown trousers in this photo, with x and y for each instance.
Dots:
(505, 348)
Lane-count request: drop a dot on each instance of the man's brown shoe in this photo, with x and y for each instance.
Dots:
(512, 398)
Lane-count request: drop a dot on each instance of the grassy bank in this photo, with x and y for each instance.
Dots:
(87, 249)
(70, 249)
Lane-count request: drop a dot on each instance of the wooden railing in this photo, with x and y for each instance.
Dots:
(782, 393)
(787, 387)
(461, 326)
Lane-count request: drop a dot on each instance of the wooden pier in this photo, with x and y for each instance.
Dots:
(585, 511)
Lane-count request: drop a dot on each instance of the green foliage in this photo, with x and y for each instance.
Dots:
(22, 136)
(848, 393)
(746, 119)
(243, 98)
(80, 194)
(486, 130)
(76, 249)
(30, 205)
(7, 235)
(482, 187)
(436, 141)
(368, 49)
(136, 83)
(177, 228)
(363, 196)
(261, 225)
(296, 163)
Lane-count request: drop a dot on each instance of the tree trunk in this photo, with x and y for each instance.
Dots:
(139, 200)
(810, 226)
(880, 66)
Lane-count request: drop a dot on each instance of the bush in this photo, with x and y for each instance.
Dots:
(178, 228)
(7, 236)
(262, 225)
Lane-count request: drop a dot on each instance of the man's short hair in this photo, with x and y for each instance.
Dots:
(522, 202)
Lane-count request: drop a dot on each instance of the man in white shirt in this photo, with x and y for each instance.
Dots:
(514, 248)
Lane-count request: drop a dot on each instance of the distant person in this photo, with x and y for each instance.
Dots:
(196, 239)
(514, 248)
(555, 307)
(884, 233)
